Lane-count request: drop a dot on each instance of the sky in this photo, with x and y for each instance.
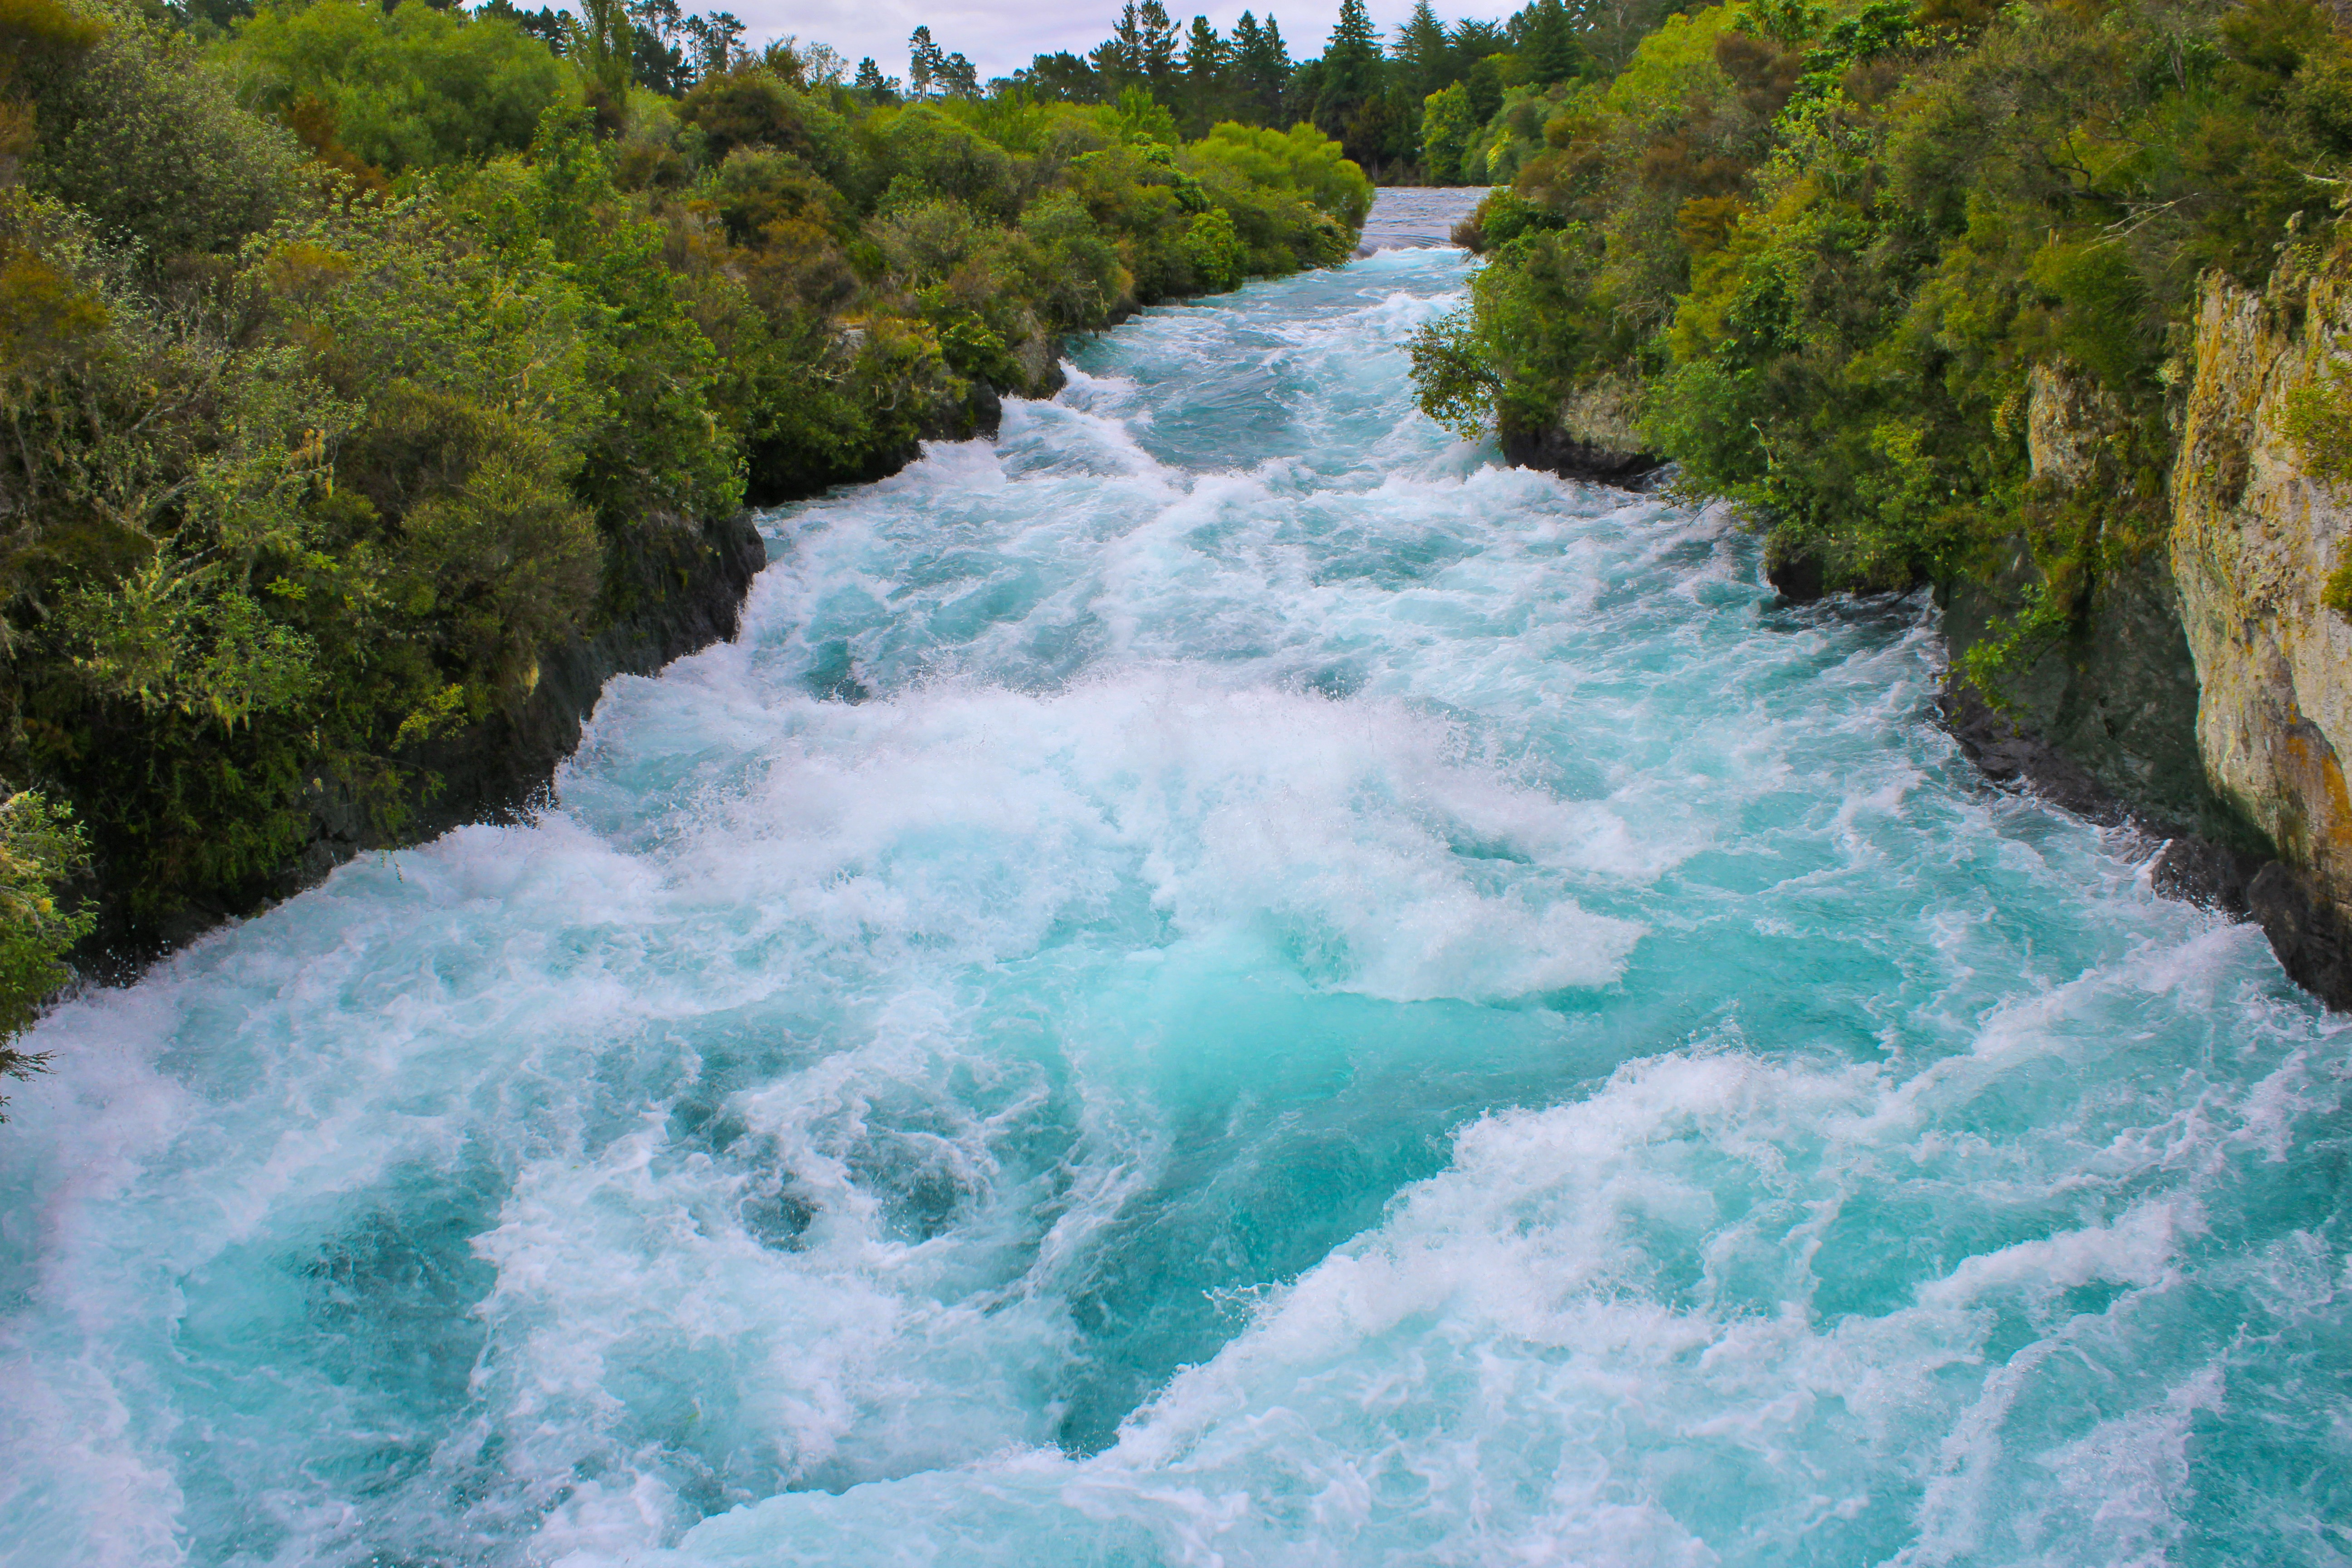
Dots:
(998, 38)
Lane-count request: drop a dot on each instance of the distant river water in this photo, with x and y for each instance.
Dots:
(1218, 981)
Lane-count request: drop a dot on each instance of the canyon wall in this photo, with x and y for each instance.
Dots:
(2203, 688)
(2254, 538)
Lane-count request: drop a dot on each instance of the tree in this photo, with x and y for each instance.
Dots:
(656, 60)
(806, 66)
(548, 25)
(1549, 44)
(1472, 41)
(1119, 58)
(370, 91)
(1206, 59)
(1062, 78)
(1156, 46)
(872, 85)
(925, 63)
(1261, 69)
(1425, 56)
(1353, 71)
(1446, 128)
(712, 43)
(603, 44)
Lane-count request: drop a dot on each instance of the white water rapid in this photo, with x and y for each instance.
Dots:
(1218, 981)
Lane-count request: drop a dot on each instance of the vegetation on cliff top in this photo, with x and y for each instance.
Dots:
(352, 355)
(1818, 254)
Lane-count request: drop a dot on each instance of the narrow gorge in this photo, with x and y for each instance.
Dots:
(1223, 977)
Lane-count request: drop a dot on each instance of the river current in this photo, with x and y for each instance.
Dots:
(1221, 980)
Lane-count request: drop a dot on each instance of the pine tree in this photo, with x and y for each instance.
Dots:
(1549, 44)
(1261, 69)
(1351, 60)
(1062, 78)
(872, 85)
(1119, 58)
(1470, 42)
(1249, 55)
(1206, 59)
(925, 63)
(1245, 40)
(1283, 106)
(1350, 72)
(715, 41)
(1158, 49)
(1423, 53)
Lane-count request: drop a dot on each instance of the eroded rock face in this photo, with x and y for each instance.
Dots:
(1592, 436)
(2253, 539)
(2103, 722)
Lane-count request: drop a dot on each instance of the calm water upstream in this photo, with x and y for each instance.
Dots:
(1220, 981)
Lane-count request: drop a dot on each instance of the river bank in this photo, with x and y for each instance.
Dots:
(1219, 944)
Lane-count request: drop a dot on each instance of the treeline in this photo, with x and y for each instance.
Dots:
(1369, 94)
(352, 356)
(1824, 258)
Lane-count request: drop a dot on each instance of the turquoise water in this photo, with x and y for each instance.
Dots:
(1219, 981)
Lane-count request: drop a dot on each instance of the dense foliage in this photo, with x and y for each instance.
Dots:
(346, 350)
(1373, 97)
(1820, 256)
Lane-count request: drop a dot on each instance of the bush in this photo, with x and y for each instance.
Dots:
(1213, 250)
(40, 847)
(145, 141)
(408, 88)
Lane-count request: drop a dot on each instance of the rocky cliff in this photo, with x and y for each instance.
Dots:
(1594, 435)
(2202, 690)
(2253, 540)
(2099, 713)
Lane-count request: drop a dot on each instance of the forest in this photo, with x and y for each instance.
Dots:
(1817, 256)
(352, 355)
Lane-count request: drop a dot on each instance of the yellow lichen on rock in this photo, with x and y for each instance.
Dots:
(2254, 539)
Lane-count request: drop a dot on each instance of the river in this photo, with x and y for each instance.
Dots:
(1218, 981)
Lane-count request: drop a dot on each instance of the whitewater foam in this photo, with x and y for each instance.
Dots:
(1218, 980)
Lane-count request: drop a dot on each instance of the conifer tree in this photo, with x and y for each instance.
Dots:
(1549, 44)
(1157, 49)
(1119, 58)
(925, 64)
(1470, 42)
(872, 85)
(1250, 73)
(1423, 54)
(1351, 74)
(1206, 59)
(1351, 62)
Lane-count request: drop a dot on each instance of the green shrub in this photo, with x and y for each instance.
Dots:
(405, 88)
(1213, 250)
(40, 847)
(145, 140)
